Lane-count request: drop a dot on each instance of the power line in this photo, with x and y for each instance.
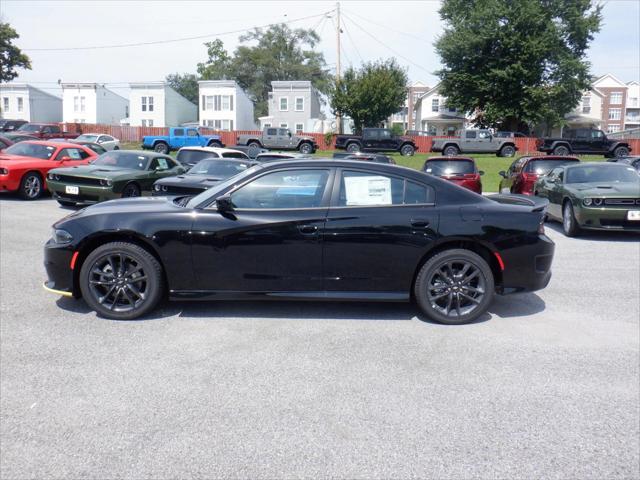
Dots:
(386, 27)
(158, 42)
(355, 47)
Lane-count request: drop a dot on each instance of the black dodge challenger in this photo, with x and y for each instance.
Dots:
(306, 229)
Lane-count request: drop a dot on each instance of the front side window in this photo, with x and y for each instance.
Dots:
(385, 134)
(283, 189)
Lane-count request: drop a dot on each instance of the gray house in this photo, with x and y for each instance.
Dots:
(295, 105)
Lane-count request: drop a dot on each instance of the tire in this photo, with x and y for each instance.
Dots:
(570, 225)
(215, 144)
(451, 151)
(161, 147)
(254, 148)
(621, 152)
(407, 150)
(305, 148)
(131, 190)
(353, 147)
(441, 300)
(121, 281)
(116, 147)
(561, 151)
(64, 203)
(31, 186)
(507, 151)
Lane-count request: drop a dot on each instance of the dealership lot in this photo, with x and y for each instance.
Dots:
(544, 386)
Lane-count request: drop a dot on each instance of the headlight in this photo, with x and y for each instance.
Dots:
(165, 188)
(53, 176)
(4, 171)
(597, 201)
(106, 183)
(61, 236)
(156, 188)
(587, 201)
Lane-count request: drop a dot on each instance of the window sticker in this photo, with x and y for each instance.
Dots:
(73, 153)
(370, 190)
(162, 163)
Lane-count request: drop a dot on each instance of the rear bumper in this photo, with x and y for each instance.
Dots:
(57, 263)
(527, 267)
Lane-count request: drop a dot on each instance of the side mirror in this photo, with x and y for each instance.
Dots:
(224, 203)
(481, 172)
(290, 134)
(66, 159)
(502, 173)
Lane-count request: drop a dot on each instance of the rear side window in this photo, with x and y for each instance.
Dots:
(272, 131)
(416, 193)
(374, 189)
(191, 157)
(192, 133)
(470, 134)
(235, 155)
(178, 132)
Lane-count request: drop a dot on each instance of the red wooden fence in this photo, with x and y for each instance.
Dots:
(134, 135)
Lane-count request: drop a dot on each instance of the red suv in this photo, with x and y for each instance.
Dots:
(459, 170)
(525, 171)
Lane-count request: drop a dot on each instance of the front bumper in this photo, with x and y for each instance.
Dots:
(9, 183)
(87, 194)
(527, 267)
(606, 218)
(57, 263)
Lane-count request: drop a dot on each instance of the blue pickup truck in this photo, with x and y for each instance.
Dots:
(180, 137)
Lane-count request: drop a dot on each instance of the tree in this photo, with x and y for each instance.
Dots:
(371, 94)
(516, 63)
(185, 84)
(277, 53)
(11, 57)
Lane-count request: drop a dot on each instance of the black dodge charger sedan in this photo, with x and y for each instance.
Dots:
(305, 229)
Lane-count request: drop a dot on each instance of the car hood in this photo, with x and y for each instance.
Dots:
(7, 160)
(194, 180)
(597, 189)
(95, 171)
(123, 206)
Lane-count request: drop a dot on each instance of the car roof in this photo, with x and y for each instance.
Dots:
(597, 165)
(50, 143)
(445, 157)
(356, 164)
(211, 149)
(284, 154)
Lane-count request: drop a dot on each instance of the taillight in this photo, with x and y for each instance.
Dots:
(541, 227)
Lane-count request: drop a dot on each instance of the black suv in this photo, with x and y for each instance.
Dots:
(585, 141)
(376, 140)
(10, 125)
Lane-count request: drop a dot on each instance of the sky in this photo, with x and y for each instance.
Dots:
(371, 30)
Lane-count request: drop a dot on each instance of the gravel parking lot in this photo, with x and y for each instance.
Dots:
(546, 386)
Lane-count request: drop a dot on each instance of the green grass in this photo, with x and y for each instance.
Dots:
(488, 163)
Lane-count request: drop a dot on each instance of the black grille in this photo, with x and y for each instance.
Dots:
(79, 180)
(622, 201)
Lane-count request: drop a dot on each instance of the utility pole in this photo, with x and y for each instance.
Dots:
(338, 116)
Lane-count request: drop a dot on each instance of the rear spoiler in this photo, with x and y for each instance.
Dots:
(538, 204)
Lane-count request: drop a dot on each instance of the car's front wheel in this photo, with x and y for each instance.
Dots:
(121, 280)
(131, 190)
(454, 287)
(215, 144)
(561, 151)
(507, 151)
(621, 152)
(451, 151)
(407, 150)
(569, 223)
(353, 148)
(305, 148)
(161, 148)
(30, 186)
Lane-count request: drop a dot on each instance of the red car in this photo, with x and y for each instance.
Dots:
(45, 131)
(525, 171)
(459, 170)
(24, 165)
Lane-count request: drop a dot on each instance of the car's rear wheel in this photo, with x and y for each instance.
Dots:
(161, 148)
(407, 150)
(116, 147)
(215, 144)
(305, 148)
(254, 148)
(121, 280)
(569, 223)
(131, 190)
(454, 287)
(451, 150)
(621, 152)
(30, 186)
(353, 147)
(561, 151)
(507, 151)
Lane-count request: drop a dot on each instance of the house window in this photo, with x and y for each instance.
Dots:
(208, 102)
(435, 104)
(284, 125)
(20, 104)
(267, 125)
(613, 128)
(615, 113)
(82, 104)
(144, 123)
(616, 98)
(76, 104)
(299, 127)
(144, 104)
(299, 104)
(150, 122)
(633, 102)
(227, 103)
(284, 104)
(150, 105)
(5, 103)
(586, 104)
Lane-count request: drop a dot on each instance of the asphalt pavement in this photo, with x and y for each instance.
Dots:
(545, 386)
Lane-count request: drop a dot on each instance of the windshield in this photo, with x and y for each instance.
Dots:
(191, 157)
(542, 167)
(449, 167)
(87, 138)
(214, 191)
(27, 149)
(29, 127)
(602, 174)
(218, 168)
(127, 160)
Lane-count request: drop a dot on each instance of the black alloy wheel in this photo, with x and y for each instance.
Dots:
(131, 190)
(561, 151)
(407, 151)
(353, 148)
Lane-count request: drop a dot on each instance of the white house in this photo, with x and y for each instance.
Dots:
(225, 106)
(294, 105)
(156, 104)
(433, 115)
(20, 101)
(92, 103)
(587, 114)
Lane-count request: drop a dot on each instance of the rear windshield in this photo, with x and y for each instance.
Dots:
(122, 159)
(449, 167)
(219, 168)
(191, 157)
(542, 167)
(604, 174)
(35, 150)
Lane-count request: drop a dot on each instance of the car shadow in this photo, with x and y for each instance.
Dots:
(14, 197)
(505, 307)
(597, 235)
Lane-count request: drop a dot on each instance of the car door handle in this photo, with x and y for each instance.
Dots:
(419, 223)
(308, 229)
